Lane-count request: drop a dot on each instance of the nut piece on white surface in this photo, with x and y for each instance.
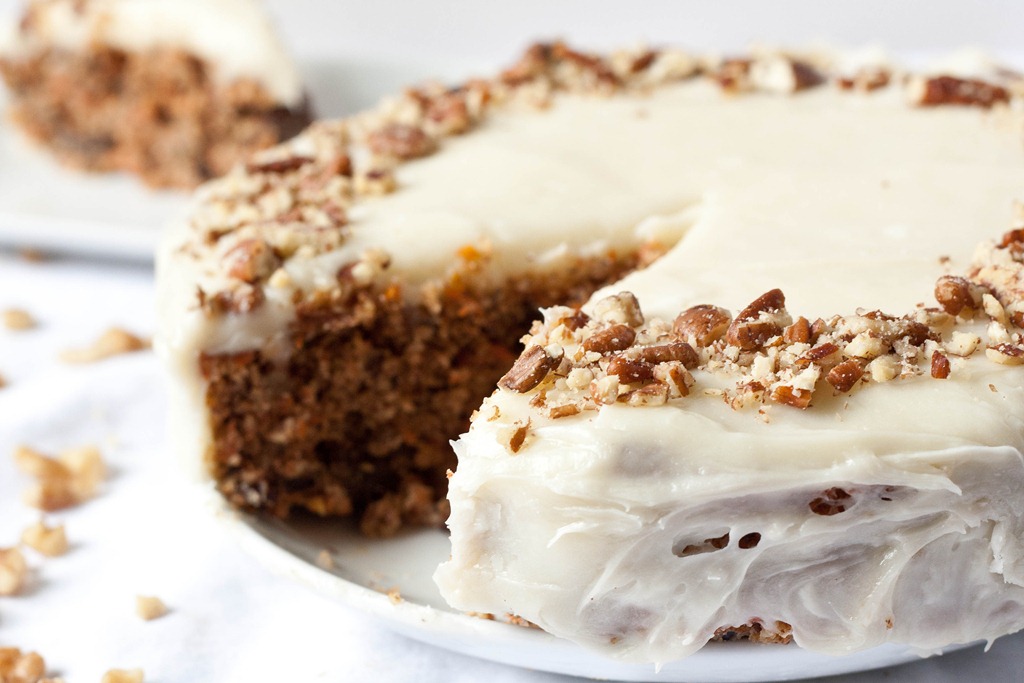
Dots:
(149, 607)
(113, 342)
(18, 319)
(122, 676)
(61, 482)
(48, 541)
(13, 571)
(18, 667)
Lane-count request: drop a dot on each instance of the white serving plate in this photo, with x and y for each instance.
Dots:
(365, 570)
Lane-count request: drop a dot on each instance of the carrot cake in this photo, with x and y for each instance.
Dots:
(176, 91)
(770, 429)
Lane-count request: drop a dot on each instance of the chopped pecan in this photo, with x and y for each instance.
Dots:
(643, 61)
(251, 260)
(653, 394)
(576, 321)
(951, 90)
(675, 376)
(622, 308)
(705, 324)
(940, 365)
(630, 371)
(823, 354)
(449, 113)
(564, 410)
(529, 370)
(957, 295)
(799, 332)
(750, 330)
(791, 396)
(831, 502)
(865, 80)
(518, 436)
(1011, 238)
(614, 338)
(1005, 354)
(401, 141)
(279, 166)
(845, 375)
(769, 302)
(678, 351)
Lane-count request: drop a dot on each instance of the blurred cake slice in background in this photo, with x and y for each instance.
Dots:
(175, 91)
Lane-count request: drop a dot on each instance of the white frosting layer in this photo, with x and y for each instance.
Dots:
(235, 36)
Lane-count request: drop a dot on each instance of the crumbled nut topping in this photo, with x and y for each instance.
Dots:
(295, 198)
(18, 319)
(148, 607)
(46, 540)
(574, 362)
(113, 342)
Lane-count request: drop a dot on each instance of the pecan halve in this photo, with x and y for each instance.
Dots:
(529, 370)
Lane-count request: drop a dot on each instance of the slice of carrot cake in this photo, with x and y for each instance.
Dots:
(176, 91)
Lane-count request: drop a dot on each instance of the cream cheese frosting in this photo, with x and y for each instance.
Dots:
(234, 36)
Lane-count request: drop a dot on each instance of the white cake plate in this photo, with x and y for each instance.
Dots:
(363, 572)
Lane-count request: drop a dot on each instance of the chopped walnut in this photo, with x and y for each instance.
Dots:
(123, 676)
(148, 607)
(18, 319)
(13, 571)
(113, 342)
(46, 540)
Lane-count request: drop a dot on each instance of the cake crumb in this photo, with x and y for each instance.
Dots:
(149, 607)
(122, 676)
(45, 540)
(113, 342)
(18, 319)
(13, 571)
